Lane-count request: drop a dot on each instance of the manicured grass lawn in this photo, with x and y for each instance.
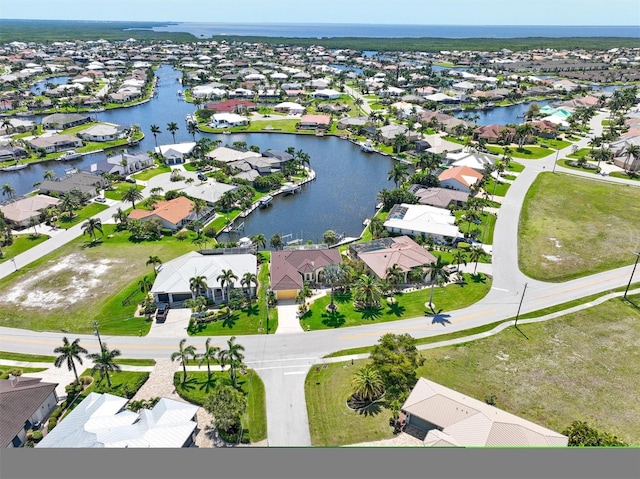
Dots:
(279, 126)
(408, 305)
(581, 153)
(570, 227)
(190, 167)
(617, 174)
(123, 384)
(52, 294)
(527, 152)
(564, 162)
(254, 421)
(331, 422)
(151, 172)
(135, 362)
(487, 227)
(500, 189)
(81, 215)
(249, 320)
(563, 372)
(555, 144)
(33, 358)
(120, 189)
(515, 167)
(22, 243)
(6, 370)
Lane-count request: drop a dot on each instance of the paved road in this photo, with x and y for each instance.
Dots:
(283, 360)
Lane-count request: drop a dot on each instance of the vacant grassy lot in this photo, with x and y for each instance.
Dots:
(81, 215)
(149, 173)
(22, 243)
(407, 305)
(254, 421)
(81, 282)
(527, 152)
(571, 227)
(119, 189)
(583, 366)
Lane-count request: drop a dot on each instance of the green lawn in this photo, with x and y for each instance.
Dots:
(499, 189)
(119, 189)
(617, 174)
(515, 167)
(6, 370)
(249, 320)
(22, 243)
(279, 126)
(565, 162)
(135, 362)
(555, 144)
(331, 422)
(527, 152)
(563, 372)
(487, 227)
(83, 281)
(581, 153)
(124, 384)
(81, 215)
(149, 173)
(32, 358)
(254, 422)
(571, 227)
(408, 305)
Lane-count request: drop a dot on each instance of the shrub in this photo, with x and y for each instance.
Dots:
(37, 435)
(182, 235)
(210, 231)
(53, 422)
(85, 380)
(55, 414)
(16, 372)
(464, 246)
(166, 232)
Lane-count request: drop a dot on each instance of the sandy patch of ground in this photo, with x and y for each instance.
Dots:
(71, 279)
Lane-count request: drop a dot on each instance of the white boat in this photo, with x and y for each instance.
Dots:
(265, 201)
(179, 92)
(191, 119)
(14, 167)
(367, 147)
(69, 155)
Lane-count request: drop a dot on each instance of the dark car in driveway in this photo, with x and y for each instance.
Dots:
(161, 313)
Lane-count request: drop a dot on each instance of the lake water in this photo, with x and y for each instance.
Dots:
(342, 196)
(502, 115)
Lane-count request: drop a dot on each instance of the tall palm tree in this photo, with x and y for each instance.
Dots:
(132, 194)
(172, 127)
(332, 275)
(226, 278)
(276, 241)
(602, 154)
(8, 190)
(119, 216)
(376, 227)
(90, 227)
(475, 255)
(192, 129)
(398, 174)
(459, 257)
(104, 362)
(210, 353)
(232, 357)
(69, 353)
(367, 384)
(155, 130)
(145, 285)
(49, 175)
(259, 240)
(247, 279)
(183, 355)
(368, 290)
(68, 203)
(437, 274)
(197, 284)
(154, 260)
(395, 275)
(632, 151)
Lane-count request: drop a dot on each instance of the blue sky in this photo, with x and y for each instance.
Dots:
(427, 12)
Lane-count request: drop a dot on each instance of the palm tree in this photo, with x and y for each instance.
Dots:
(368, 290)
(459, 257)
(632, 151)
(145, 285)
(90, 227)
(155, 130)
(8, 190)
(367, 384)
(226, 277)
(119, 216)
(154, 260)
(602, 154)
(399, 141)
(475, 254)
(437, 274)
(197, 284)
(522, 132)
(376, 227)
(394, 275)
(398, 173)
(104, 362)
(172, 127)
(259, 240)
(276, 241)
(246, 281)
(132, 194)
(49, 175)
(192, 129)
(332, 274)
(210, 353)
(68, 203)
(183, 355)
(232, 357)
(69, 352)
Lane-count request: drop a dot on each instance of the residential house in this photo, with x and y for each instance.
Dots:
(175, 153)
(225, 154)
(227, 120)
(231, 106)
(461, 178)
(422, 220)
(544, 128)
(444, 417)
(54, 143)
(62, 121)
(436, 144)
(326, 94)
(380, 255)
(620, 156)
(494, 133)
(19, 213)
(104, 132)
(313, 122)
(290, 108)
(172, 285)
(290, 269)
(25, 404)
(122, 164)
(101, 421)
(439, 197)
(474, 160)
(173, 214)
(388, 133)
(209, 191)
(84, 182)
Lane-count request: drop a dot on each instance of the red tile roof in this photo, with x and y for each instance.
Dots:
(172, 211)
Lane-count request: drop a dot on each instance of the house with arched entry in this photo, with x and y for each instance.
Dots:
(290, 269)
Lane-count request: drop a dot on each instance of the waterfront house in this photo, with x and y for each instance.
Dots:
(121, 164)
(494, 133)
(84, 182)
(439, 197)
(102, 420)
(102, 132)
(19, 213)
(62, 121)
(227, 120)
(444, 417)
(422, 220)
(461, 178)
(54, 143)
(290, 269)
(25, 403)
(173, 214)
(175, 153)
(313, 122)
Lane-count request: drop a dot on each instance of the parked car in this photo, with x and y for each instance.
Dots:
(161, 313)
(130, 180)
(100, 199)
(202, 177)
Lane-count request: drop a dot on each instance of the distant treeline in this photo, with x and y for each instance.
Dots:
(44, 31)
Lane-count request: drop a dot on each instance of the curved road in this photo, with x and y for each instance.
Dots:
(283, 360)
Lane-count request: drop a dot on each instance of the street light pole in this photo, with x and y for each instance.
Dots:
(14, 263)
(632, 273)
(555, 161)
(521, 300)
(97, 333)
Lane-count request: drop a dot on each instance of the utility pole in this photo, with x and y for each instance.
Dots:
(632, 273)
(518, 313)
